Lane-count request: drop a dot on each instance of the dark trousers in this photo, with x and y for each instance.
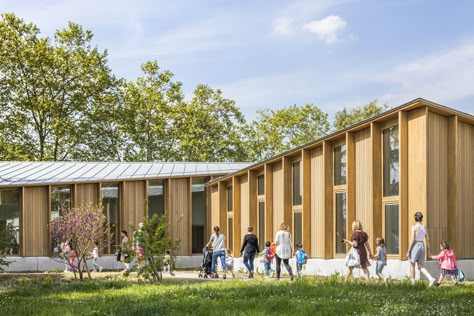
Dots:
(278, 266)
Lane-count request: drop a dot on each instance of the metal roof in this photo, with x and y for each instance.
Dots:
(14, 173)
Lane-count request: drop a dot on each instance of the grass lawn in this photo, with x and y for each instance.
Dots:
(52, 295)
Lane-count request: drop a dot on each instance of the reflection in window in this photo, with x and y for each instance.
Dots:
(297, 184)
(261, 222)
(156, 198)
(391, 165)
(392, 231)
(199, 213)
(298, 227)
(340, 165)
(61, 198)
(9, 221)
(230, 202)
(261, 185)
(111, 206)
(340, 221)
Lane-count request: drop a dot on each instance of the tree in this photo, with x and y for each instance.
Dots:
(273, 132)
(47, 87)
(81, 226)
(347, 117)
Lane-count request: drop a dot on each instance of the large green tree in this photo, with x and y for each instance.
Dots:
(48, 89)
(347, 117)
(275, 131)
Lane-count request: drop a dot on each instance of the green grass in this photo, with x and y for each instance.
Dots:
(330, 296)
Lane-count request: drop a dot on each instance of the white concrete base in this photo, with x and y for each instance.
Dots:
(395, 269)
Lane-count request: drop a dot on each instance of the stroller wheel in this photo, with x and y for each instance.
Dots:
(205, 276)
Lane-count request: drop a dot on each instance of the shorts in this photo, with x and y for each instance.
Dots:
(417, 253)
(450, 272)
(379, 267)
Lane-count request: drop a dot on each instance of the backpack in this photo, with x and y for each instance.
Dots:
(270, 254)
(303, 257)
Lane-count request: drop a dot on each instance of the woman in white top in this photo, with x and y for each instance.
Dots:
(283, 250)
(218, 250)
(416, 252)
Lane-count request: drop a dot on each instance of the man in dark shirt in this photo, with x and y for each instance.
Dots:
(249, 250)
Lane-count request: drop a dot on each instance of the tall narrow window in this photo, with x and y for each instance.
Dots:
(261, 222)
(61, 198)
(111, 203)
(230, 202)
(340, 221)
(298, 227)
(230, 233)
(261, 185)
(297, 183)
(199, 213)
(392, 229)
(340, 165)
(156, 198)
(391, 165)
(10, 221)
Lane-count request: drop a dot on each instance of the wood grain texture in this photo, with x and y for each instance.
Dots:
(134, 198)
(86, 193)
(237, 215)
(35, 221)
(278, 208)
(318, 234)
(268, 173)
(244, 205)
(180, 214)
(376, 179)
(306, 174)
(329, 240)
(403, 193)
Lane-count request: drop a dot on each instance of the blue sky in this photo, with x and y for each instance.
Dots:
(270, 54)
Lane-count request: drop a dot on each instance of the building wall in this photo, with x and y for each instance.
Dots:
(35, 220)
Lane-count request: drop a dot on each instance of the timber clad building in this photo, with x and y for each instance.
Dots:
(417, 157)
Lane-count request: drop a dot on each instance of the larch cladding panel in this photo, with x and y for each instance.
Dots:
(317, 202)
(437, 179)
(244, 205)
(86, 193)
(363, 192)
(134, 197)
(465, 191)
(180, 214)
(214, 206)
(278, 207)
(35, 219)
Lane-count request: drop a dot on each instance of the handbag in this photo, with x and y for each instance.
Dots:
(352, 258)
(460, 275)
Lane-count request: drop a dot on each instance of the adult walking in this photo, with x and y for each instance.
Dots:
(360, 242)
(249, 249)
(218, 244)
(124, 250)
(416, 253)
(283, 250)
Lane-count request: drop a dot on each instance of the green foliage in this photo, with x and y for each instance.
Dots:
(347, 117)
(275, 131)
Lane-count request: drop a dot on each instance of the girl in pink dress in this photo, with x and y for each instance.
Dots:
(447, 262)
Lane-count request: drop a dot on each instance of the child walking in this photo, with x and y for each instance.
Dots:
(447, 263)
(380, 256)
(95, 256)
(229, 262)
(168, 262)
(301, 258)
(268, 255)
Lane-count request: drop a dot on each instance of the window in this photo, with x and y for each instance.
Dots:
(111, 203)
(10, 221)
(297, 227)
(230, 202)
(340, 165)
(61, 198)
(297, 183)
(199, 213)
(230, 233)
(340, 221)
(261, 222)
(156, 198)
(261, 185)
(392, 231)
(391, 165)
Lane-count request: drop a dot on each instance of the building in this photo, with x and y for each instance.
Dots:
(32, 193)
(416, 157)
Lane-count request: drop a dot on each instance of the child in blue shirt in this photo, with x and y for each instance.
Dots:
(380, 256)
(301, 258)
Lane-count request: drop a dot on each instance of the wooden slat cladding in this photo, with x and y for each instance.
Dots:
(306, 165)
(86, 193)
(437, 178)
(237, 211)
(363, 197)
(376, 179)
(328, 200)
(134, 198)
(244, 205)
(35, 220)
(404, 221)
(180, 214)
(269, 233)
(318, 233)
(278, 209)
(215, 216)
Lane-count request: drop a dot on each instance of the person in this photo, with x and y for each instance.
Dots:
(380, 256)
(139, 245)
(283, 250)
(123, 250)
(447, 263)
(268, 256)
(218, 244)
(360, 242)
(301, 258)
(249, 249)
(73, 256)
(95, 256)
(168, 262)
(416, 252)
(229, 262)
(66, 250)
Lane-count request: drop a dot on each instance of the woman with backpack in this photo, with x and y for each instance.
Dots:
(249, 250)
(283, 250)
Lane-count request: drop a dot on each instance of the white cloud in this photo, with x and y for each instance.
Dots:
(327, 29)
(283, 26)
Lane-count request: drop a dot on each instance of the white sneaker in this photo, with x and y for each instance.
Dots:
(100, 269)
(432, 281)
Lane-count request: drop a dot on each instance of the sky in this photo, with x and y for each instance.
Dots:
(271, 54)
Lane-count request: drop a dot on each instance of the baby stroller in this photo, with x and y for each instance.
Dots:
(206, 263)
